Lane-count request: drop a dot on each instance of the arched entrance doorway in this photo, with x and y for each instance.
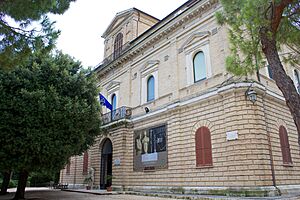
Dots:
(106, 164)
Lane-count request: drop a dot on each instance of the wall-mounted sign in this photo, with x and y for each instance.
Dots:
(150, 148)
(149, 157)
(117, 162)
(231, 135)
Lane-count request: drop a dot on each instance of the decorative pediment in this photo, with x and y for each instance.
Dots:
(118, 20)
(112, 86)
(149, 67)
(195, 35)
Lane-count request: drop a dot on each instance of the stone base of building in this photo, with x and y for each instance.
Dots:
(267, 191)
(76, 186)
(289, 189)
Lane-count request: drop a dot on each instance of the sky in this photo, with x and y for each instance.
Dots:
(83, 24)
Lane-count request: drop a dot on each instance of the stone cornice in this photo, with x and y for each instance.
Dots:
(192, 37)
(124, 15)
(164, 29)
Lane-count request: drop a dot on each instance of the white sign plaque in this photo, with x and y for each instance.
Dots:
(232, 135)
(117, 162)
(149, 157)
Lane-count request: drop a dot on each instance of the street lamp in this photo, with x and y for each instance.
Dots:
(250, 94)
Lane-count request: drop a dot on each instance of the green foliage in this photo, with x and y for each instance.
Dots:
(245, 18)
(31, 9)
(88, 180)
(18, 37)
(12, 183)
(49, 112)
(38, 179)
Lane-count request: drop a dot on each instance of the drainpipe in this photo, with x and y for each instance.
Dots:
(270, 147)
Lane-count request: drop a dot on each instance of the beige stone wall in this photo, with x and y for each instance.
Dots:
(241, 163)
(236, 163)
(185, 107)
(172, 67)
(277, 114)
(76, 175)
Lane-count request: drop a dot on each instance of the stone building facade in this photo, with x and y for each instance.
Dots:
(179, 120)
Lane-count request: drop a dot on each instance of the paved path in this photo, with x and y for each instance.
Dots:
(48, 194)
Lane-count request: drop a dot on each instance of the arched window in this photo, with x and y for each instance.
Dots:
(114, 101)
(203, 147)
(297, 81)
(150, 88)
(118, 45)
(285, 146)
(85, 163)
(199, 67)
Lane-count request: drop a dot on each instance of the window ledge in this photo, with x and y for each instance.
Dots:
(200, 81)
(150, 101)
(204, 167)
(288, 165)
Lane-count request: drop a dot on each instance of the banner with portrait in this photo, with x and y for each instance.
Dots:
(150, 148)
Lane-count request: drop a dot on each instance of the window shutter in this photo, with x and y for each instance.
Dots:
(85, 163)
(207, 147)
(68, 170)
(203, 147)
(199, 161)
(285, 146)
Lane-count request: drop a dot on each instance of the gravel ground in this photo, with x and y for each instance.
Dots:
(48, 194)
(62, 195)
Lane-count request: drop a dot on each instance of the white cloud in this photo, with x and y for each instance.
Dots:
(83, 24)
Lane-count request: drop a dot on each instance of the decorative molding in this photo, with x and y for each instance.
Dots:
(145, 42)
(201, 35)
(150, 67)
(103, 139)
(201, 97)
(201, 123)
(113, 86)
(280, 122)
(123, 14)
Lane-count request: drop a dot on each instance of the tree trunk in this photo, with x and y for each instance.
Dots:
(283, 81)
(20, 194)
(5, 182)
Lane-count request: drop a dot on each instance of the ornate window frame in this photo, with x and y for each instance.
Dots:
(148, 70)
(191, 48)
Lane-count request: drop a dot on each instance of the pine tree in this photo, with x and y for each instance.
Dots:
(18, 37)
(260, 29)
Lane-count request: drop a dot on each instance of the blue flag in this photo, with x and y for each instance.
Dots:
(104, 102)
